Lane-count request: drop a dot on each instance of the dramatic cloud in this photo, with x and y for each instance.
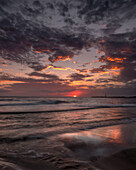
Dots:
(77, 76)
(48, 76)
(33, 77)
(73, 40)
(120, 54)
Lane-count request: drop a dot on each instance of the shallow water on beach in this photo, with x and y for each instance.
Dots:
(67, 137)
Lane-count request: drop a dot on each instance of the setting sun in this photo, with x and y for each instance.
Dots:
(74, 95)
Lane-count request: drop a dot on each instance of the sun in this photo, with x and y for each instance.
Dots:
(74, 95)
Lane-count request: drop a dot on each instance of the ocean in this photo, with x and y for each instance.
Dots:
(68, 133)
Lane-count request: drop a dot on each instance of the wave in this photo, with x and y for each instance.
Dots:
(73, 109)
(86, 126)
(21, 138)
(36, 103)
(9, 100)
(17, 99)
(53, 102)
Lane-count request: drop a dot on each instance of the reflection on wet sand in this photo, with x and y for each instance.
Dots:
(101, 141)
(111, 134)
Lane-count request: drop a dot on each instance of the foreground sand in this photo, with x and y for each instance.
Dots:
(123, 160)
(24, 164)
(107, 148)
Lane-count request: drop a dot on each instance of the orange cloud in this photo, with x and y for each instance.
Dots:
(105, 72)
(62, 58)
(4, 82)
(41, 51)
(84, 87)
(115, 68)
(76, 83)
(74, 62)
(67, 68)
(59, 68)
(49, 66)
(118, 60)
(116, 73)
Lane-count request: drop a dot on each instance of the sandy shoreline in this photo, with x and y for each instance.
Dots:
(123, 160)
(106, 148)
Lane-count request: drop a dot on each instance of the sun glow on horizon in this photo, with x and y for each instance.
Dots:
(74, 95)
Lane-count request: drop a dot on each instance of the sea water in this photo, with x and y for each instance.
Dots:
(75, 130)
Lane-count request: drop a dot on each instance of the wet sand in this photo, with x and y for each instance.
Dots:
(41, 164)
(107, 148)
(123, 160)
(24, 164)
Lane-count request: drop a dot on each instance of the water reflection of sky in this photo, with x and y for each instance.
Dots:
(117, 134)
(101, 141)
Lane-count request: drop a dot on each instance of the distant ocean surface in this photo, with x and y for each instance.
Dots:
(36, 104)
(53, 128)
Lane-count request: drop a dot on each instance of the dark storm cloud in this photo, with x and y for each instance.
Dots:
(104, 80)
(97, 70)
(47, 78)
(61, 55)
(120, 53)
(21, 28)
(128, 73)
(17, 47)
(22, 33)
(97, 10)
(78, 77)
(31, 30)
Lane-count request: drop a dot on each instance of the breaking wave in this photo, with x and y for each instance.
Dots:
(76, 108)
(35, 103)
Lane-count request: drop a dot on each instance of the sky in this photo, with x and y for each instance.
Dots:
(66, 48)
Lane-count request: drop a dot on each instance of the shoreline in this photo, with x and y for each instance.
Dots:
(103, 148)
(69, 110)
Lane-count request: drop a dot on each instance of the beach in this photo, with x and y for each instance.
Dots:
(101, 137)
(123, 160)
(67, 85)
(91, 150)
